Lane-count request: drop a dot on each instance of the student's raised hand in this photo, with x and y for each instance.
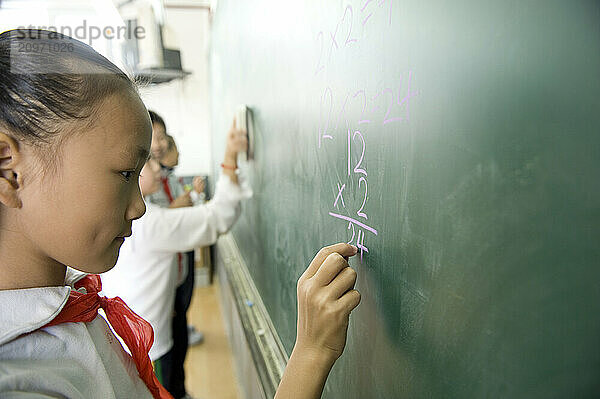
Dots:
(182, 201)
(237, 141)
(325, 299)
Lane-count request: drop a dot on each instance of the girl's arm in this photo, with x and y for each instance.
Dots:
(183, 229)
(304, 376)
(325, 299)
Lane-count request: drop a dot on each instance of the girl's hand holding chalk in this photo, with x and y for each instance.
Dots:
(325, 299)
(326, 296)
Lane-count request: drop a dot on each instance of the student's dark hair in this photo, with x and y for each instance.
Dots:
(47, 80)
(156, 118)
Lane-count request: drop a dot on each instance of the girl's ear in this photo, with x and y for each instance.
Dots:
(10, 156)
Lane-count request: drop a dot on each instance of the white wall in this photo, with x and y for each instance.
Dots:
(71, 17)
(184, 104)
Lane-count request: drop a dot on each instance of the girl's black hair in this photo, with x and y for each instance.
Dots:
(47, 79)
(156, 118)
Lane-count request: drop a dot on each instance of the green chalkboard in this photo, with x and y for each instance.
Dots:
(473, 183)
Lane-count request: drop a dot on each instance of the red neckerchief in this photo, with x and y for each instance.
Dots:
(166, 188)
(136, 332)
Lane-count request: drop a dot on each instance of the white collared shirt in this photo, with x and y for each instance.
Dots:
(69, 360)
(160, 198)
(145, 275)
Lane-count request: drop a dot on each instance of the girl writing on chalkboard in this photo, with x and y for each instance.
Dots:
(74, 136)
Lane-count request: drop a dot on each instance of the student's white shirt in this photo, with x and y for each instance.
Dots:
(145, 275)
(160, 198)
(69, 360)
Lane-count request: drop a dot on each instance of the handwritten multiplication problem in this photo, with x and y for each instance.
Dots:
(390, 104)
(333, 120)
(344, 33)
(352, 115)
(355, 170)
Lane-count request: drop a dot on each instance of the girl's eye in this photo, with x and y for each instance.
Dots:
(127, 174)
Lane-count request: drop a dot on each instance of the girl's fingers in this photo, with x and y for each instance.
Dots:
(343, 249)
(330, 268)
(343, 282)
(349, 300)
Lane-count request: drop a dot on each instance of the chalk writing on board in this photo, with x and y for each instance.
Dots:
(339, 196)
(354, 221)
(352, 224)
(345, 22)
(376, 108)
(360, 172)
(362, 154)
(342, 35)
(393, 102)
(371, 6)
(355, 170)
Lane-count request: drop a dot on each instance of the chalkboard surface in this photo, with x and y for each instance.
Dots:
(458, 144)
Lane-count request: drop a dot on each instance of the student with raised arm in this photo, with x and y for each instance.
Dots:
(74, 136)
(175, 195)
(146, 274)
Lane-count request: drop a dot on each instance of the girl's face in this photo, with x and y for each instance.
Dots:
(159, 141)
(171, 157)
(79, 216)
(150, 177)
